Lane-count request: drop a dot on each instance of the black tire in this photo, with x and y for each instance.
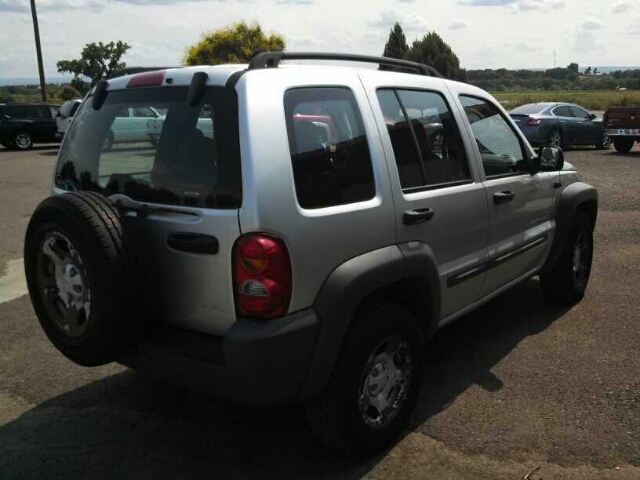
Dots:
(85, 229)
(563, 284)
(604, 143)
(334, 415)
(22, 140)
(555, 138)
(623, 144)
(107, 144)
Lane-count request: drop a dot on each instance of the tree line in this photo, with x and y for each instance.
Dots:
(238, 43)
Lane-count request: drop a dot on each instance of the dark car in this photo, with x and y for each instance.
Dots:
(23, 124)
(560, 124)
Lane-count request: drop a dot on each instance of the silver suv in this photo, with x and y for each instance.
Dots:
(298, 233)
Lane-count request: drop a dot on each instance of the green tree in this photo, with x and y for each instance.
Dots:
(587, 71)
(573, 67)
(97, 60)
(69, 93)
(396, 46)
(433, 50)
(237, 43)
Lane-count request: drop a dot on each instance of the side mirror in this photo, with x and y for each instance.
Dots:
(592, 116)
(549, 159)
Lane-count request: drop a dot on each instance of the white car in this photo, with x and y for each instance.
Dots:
(65, 116)
(133, 124)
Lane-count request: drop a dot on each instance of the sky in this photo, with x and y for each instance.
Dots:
(483, 33)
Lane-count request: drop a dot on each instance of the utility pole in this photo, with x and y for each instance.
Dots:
(36, 31)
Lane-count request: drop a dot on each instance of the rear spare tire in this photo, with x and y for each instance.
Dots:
(78, 265)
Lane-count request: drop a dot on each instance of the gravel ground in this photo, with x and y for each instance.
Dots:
(515, 385)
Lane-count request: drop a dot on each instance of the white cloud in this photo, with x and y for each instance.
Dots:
(410, 22)
(634, 28)
(457, 24)
(622, 6)
(592, 23)
(295, 2)
(515, 6)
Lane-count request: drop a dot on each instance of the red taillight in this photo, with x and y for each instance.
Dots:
(153, 79)
(532, 122)
(262, 276)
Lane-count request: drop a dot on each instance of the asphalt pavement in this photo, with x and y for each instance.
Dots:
(517, 385)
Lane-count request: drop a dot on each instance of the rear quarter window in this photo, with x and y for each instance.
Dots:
(329, 150)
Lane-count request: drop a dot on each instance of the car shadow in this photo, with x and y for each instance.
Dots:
(127, 425)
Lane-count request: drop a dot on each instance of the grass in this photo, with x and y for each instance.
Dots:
(590, 99)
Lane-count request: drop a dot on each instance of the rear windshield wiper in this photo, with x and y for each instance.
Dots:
(144, 209)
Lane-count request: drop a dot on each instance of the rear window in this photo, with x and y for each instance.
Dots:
(528, 109)
(150, 145)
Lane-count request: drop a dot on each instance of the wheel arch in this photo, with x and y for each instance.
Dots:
(576, 197)
(395, 273)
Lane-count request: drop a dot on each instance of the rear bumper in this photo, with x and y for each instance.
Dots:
(623, 132)
(256, 362)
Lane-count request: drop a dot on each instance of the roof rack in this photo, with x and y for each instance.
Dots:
(133, 70)
(272, 59)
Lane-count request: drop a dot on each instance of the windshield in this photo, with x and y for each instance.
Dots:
(528, 109)
(150, 145)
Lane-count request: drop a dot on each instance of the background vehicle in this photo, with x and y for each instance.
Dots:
(307, 246)
(23, 124)
(65, 116)
(560, 124)
(133, 125)
(622, 124)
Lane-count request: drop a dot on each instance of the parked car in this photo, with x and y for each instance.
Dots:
(24, 124)
(132, 124)
(65, 116)
(310, 248)
(622, 124)
(561, 124)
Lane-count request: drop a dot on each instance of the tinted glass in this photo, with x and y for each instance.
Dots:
(34, 111)
(563, 111)
(329, 150)
(17, 111)
(187, 167)
(499, 145)
(426, 142)
(530, 109)
(579, 112)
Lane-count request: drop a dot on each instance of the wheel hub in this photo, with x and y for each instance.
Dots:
(63, 284)
(385, 383)
(23, 141)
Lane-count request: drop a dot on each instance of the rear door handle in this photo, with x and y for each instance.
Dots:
(419, 215)
(193, 243)
(503, 197)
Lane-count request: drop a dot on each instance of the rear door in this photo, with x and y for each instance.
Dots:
(121, 127)
(568, 124)
(438, 199)
(142, 118)
(519, 203)
(188, 190)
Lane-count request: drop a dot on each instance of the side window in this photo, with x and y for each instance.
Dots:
(34, 111)
(499, 145)
(329, 149)
(123, 113)
(562, 111)
(425, 138)
(579, 112)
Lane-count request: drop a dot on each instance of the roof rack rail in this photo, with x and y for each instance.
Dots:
(272, 59)
(133, 70)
